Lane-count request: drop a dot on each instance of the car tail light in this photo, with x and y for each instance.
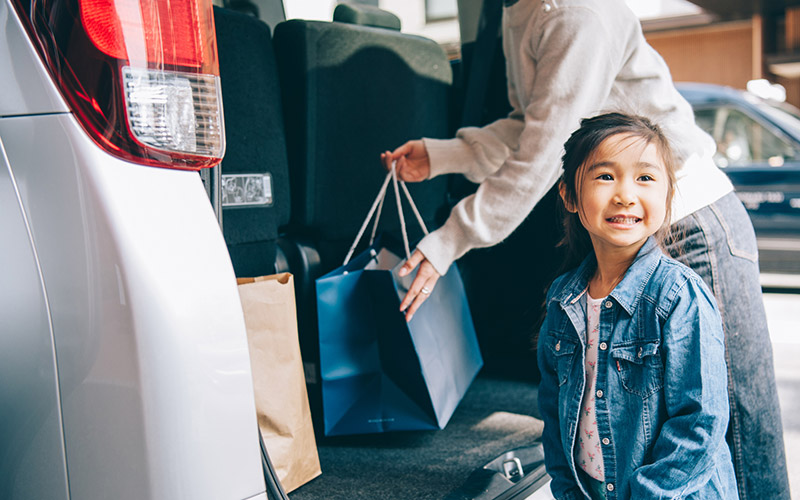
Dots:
(141, 76)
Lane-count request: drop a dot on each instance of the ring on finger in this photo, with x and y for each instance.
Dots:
(425, 290)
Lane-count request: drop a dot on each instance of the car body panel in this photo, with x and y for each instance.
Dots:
(152, 355)
(32, 459)
(122, 325)
(26, 86)
(771, 195)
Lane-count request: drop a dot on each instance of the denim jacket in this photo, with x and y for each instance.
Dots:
(661, 394)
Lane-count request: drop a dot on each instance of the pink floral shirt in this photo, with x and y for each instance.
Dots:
(588, 453)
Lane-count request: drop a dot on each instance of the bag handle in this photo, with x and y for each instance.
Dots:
(377, 205)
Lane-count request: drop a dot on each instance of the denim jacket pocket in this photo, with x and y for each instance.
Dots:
(640, 367)
(563, 352)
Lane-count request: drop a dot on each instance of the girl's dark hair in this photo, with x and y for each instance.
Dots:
(578, 150)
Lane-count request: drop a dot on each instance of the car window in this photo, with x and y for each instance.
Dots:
(705, 120)
(741, 140)
(784, 114)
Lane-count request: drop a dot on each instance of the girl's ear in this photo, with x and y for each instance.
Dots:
(568, 204)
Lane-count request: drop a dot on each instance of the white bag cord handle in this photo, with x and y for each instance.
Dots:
(377, 219)
(378, 200)
(377, 205)
(400, 213)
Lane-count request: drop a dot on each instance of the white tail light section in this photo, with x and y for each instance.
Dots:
(175, 111)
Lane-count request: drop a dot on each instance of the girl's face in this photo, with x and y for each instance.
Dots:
(621, 193)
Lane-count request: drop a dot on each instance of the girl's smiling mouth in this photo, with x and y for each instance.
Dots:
(627, 220)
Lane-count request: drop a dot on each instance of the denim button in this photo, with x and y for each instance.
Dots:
(558, 346)
(606, 441)
(608, 304)
(610, 486)
(603, 346)
(599, 393)
(639, 354)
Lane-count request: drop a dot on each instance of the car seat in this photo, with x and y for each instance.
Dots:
(351, 92)
(255, 194)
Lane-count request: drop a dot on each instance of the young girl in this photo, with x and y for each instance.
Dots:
(634, 385)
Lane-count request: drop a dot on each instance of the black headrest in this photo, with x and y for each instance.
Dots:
(366, 15)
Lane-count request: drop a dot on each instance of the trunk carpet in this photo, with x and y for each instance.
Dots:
(495, 415)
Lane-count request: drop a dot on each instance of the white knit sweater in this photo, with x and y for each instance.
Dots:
(566, 60)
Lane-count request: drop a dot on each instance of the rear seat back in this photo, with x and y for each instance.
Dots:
(350, 93)
(255, 172)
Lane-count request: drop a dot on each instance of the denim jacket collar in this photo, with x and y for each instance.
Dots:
(628, 292)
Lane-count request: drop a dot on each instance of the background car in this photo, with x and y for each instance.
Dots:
(758, 147)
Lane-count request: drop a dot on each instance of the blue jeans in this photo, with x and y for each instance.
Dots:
(719, 243)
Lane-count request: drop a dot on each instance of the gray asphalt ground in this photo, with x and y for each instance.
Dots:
(783, 315)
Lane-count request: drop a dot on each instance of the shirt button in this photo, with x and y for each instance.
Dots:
(599, 393)
(603, 346)
(606, 441)
(558, 346)
(608, 304)
(610, 486)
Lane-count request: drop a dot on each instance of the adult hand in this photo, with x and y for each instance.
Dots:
(423, 283)
(413, 164)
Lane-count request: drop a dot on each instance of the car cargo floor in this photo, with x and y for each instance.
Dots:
(495, 415)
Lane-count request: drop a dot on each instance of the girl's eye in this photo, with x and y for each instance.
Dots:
(605, 177)
(646, 177)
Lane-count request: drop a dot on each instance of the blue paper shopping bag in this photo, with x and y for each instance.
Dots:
(380, 373)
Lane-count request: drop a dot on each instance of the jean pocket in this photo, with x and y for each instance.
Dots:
(739, 233)
(563, 351)
(640, 367)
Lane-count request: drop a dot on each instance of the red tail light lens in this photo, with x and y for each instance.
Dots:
(141, 76)
(169, 32)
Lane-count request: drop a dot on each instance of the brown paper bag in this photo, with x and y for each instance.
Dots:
(284, 417)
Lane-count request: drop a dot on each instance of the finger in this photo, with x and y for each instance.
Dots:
(386, 159)
(425, 291)
(406, 170)
(402, 150)
(414, 306)
(420, 288)
(412, 262)
(399, 156)
(413, 291)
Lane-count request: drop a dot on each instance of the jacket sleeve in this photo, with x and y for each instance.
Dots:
(696, 397)
(576, 63)
(563, 484)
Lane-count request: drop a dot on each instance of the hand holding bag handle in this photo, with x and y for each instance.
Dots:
(377, 205)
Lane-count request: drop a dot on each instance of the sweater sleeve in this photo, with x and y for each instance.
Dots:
(576, 59)
(476, 152)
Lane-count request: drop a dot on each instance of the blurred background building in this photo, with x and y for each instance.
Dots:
(731, 42)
